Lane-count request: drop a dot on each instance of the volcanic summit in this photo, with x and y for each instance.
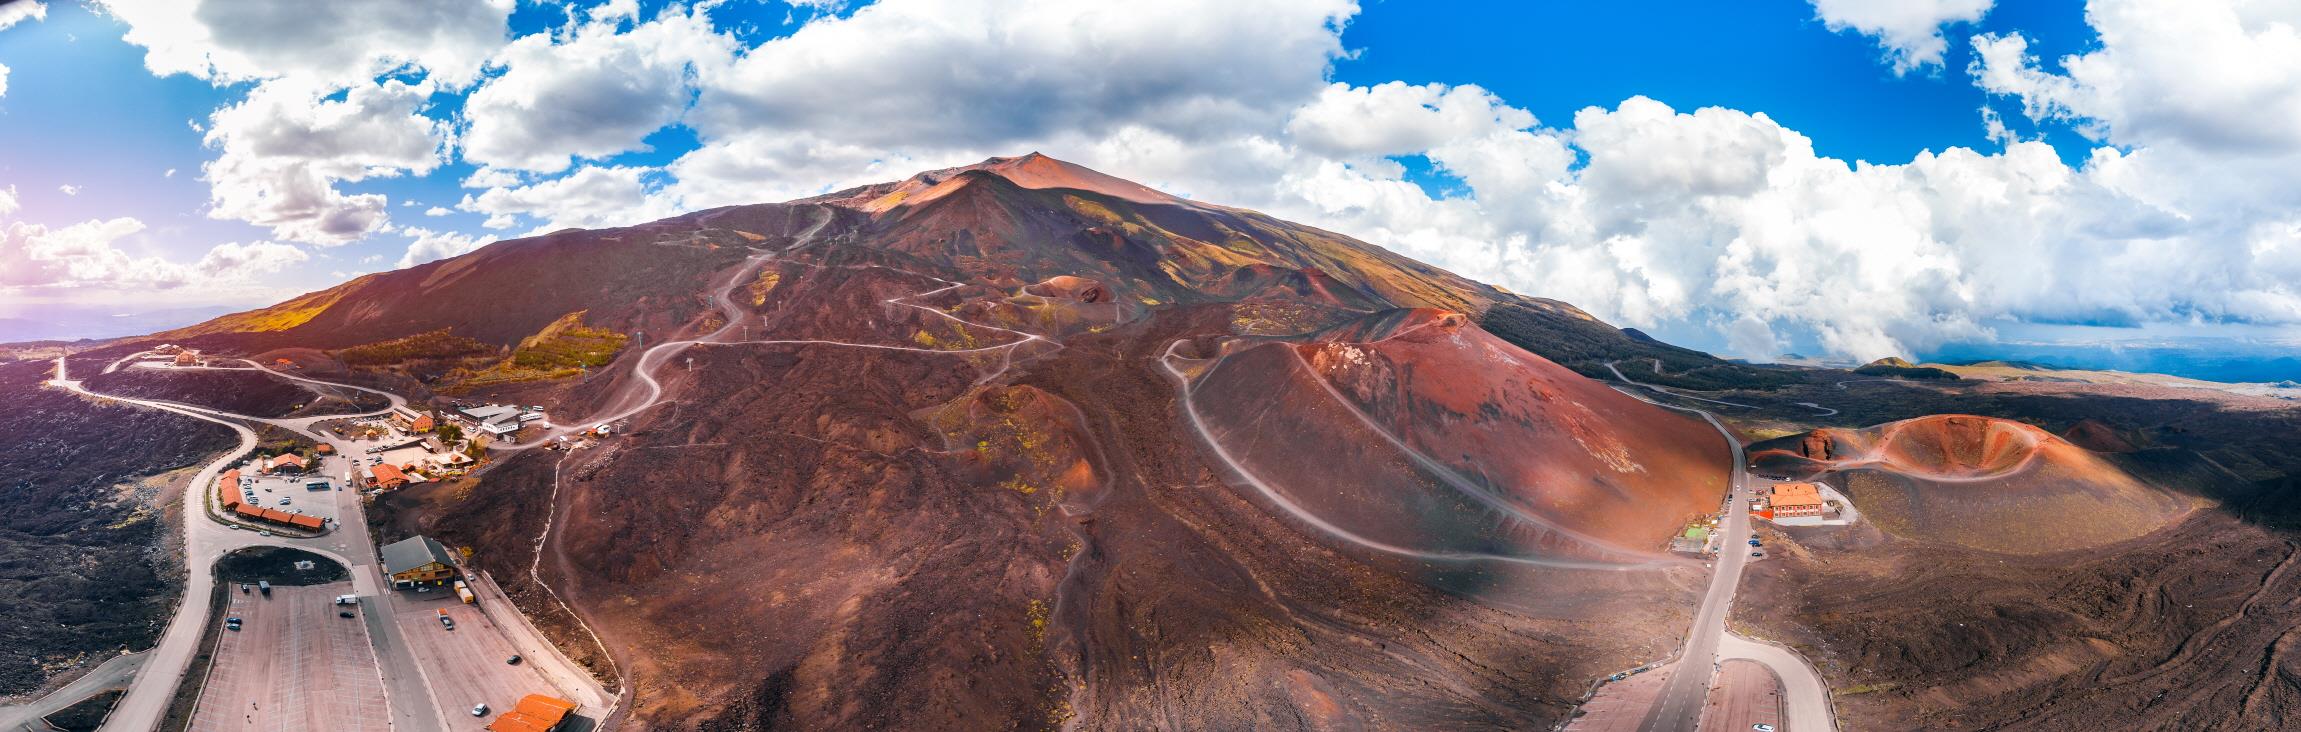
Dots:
(1020, 444)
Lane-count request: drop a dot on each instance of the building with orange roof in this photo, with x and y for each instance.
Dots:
(388, 476)
(324, 449)
(1791, 500)
(228, 489)
(287, 462)
(534, 713)
(187, 357)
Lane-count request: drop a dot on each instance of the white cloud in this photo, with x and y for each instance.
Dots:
(69, 189)
(3, 80)
(335, 44)
(233, 261)
(1397, 118)
(287, 145)
(589, 198)
(614, 10)
(595, 94)
(428, 246)
(931, 74)
(2209, 74)
(1908, 30)
(86, 255)
(170, 174)
(436, 211)
(18, 12)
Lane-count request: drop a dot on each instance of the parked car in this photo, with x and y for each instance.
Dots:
(1762, 727)
(343, 613)
(479, 710)
(1755, 555)
(514, 659)
(1753, 542)
(445, 621)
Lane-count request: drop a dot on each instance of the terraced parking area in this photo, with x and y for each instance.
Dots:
(296, 665)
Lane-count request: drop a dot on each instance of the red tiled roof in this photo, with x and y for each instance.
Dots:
(306, 522)
(1796, 494)
(289, 459)
(535, 713)
(228, 489)
(387, 472)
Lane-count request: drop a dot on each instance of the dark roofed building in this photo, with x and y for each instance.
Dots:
(418, 559)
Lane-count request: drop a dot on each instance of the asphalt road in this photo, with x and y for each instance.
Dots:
(110, 674)
(411, 696)
(1679, 709)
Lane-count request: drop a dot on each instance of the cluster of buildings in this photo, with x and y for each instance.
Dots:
(172, 354)
(232, 489)
(1792, 501)
(499, 420)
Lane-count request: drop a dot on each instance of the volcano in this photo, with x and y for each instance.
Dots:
(1980, 482)
(1021, 445)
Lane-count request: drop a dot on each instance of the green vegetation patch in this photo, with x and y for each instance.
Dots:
(438, 344)
(567, 343)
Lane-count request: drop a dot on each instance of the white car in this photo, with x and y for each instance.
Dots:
(479, 710)
(1762, 727)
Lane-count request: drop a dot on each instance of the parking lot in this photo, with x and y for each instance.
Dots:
(270, 490)
(465, 666)
(295, 665)
(1746, 695)
(1621, 706)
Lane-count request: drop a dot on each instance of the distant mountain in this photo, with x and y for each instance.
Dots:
(77, 322)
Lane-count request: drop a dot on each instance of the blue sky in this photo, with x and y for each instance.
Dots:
(1849, 178)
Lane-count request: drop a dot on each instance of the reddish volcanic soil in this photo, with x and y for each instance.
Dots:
(1979, 482)
(945, 479)
(1459, 444)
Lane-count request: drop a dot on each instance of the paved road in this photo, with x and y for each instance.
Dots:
(110, 674)
(1679, 709)
(411, 697)
(1807, 702)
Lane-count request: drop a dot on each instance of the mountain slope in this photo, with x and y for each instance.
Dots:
(964, 451)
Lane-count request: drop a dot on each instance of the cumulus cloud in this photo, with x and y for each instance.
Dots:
(11, 14)
(590, 197)
(431, 246)
(2211, 74)
(68, 189)
(596, 93)
(19, 12)
(331, 43)
(992, 73)
(286, 146)
(1908, 30)
(86, 255)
